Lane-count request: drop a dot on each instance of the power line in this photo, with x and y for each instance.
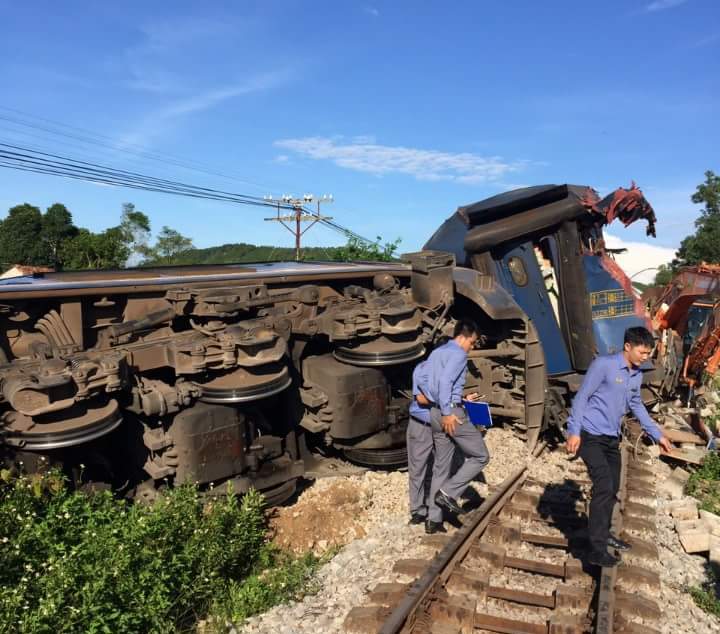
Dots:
(104, 141)
(94, 138)
(25, 159)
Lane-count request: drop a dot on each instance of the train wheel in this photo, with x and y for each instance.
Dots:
(280, 494)
(386, 458)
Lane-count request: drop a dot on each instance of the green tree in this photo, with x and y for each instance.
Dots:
(357, 249)
(87, 250)
(168, 246)
(704, 244)
(57, 227)
(135, 228)
(109, 249)
(19, 233)
(664, 275)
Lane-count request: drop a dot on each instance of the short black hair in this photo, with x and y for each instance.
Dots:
(466, 328)
(639, 336)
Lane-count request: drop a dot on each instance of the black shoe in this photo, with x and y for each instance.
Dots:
(416, 518)
(434, 527)
(617, 543)
(603, 559)
(443, 500)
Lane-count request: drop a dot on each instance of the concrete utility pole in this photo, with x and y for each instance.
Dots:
(298, 215)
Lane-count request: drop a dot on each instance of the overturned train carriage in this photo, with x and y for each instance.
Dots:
(139, 378)
(217, 373)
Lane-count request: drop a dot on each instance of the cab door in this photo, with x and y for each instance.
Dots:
(519, 272)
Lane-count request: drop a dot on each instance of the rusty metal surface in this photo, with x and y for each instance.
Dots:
(308, 354)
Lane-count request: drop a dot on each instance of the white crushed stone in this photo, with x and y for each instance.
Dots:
(363, 563)
(678, 571)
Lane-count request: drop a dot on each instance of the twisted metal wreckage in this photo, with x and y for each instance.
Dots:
(230, 373)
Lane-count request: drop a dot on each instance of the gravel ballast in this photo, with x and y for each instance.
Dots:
(367, 520)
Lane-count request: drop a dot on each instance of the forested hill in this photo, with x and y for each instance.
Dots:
(29, 237)
(243, 252)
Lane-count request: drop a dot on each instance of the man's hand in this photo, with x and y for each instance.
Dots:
(665, 444)
(573, 444)
(422, 400)
(449, 423)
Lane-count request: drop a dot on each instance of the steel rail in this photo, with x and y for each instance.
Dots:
(605, 617)
(402, 618)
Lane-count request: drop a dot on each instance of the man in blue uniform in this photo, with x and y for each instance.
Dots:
(610, 388)
(419, 445)
(446, 368)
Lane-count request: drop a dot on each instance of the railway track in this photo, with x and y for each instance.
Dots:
(516, 566)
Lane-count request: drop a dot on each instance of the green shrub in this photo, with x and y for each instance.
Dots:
(706, 595)
(282, 578)
(703, 483)
(71, 562)
(706, 598)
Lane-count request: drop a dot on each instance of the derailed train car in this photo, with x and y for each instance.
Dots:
(140, 378)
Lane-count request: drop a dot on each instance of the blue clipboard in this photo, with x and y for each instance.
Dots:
(478, 413)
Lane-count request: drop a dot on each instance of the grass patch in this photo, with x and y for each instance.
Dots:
(71, 562)
(703, 483)
(706, 598)
(706, 595)
(282, 579)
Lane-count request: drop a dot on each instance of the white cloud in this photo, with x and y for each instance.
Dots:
(661, 5)
(281, 158)
(211, 98)
(365, 155)
(152, 62)
(371, 11)
(707, 41)
(157, 63)
(158, 121)
(364, 138)
(639, 256)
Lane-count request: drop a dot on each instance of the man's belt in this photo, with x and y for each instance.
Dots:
(451, 405)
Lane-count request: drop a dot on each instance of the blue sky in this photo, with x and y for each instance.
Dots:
(401, 110)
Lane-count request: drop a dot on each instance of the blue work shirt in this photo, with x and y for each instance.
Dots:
(446, 376)
(419, 386)
(610, 388)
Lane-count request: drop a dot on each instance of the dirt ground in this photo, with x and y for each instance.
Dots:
(326, 515)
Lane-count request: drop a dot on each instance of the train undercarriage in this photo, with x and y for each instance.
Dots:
(136, 380)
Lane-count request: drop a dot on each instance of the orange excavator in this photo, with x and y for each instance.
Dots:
(704, 355)
(686, 315)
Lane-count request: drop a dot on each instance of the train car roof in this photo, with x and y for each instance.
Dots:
(195, 274)
(499, 210)
(518, 200)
